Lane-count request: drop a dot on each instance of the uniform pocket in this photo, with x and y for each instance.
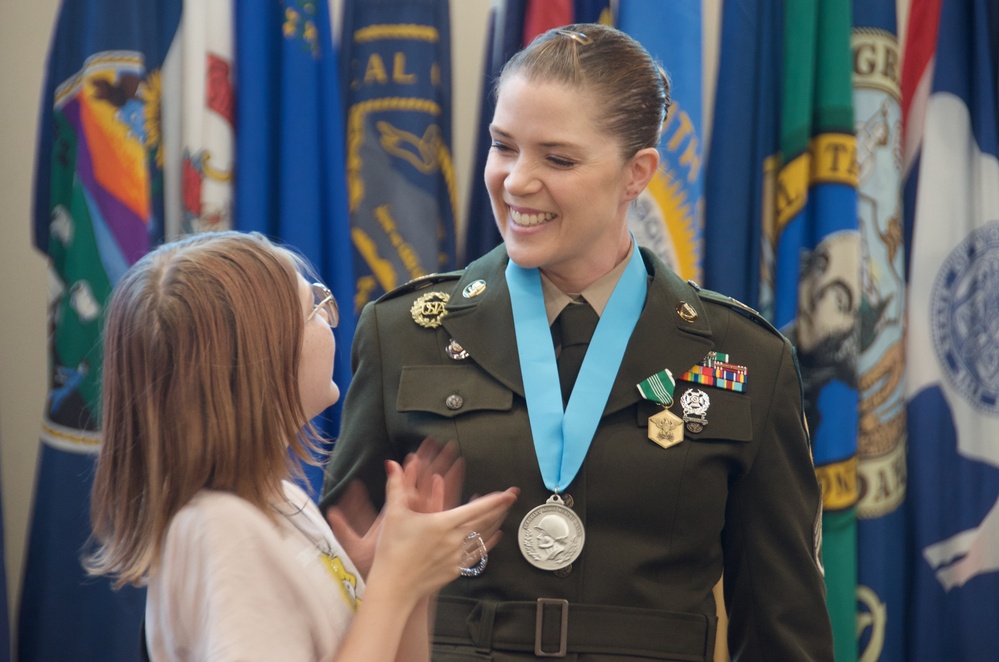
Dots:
(451, 391)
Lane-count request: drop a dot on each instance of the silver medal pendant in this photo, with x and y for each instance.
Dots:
(551, 535)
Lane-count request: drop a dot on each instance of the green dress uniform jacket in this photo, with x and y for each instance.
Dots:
(662, 524)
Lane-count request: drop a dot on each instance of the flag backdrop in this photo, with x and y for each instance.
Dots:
(953, 366)
(291, 181)
(400, 174)
(817, 288)
(881, 438)
(506, 29)
(668, 216)
(744, 148)
(202, 158)
(98, 208)
(782, 231)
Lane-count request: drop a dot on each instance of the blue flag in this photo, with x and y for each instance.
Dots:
(881, 438)
(667, 216)
(290, 182)
(953, 367)
(744, 153)
(400, 174)
(506, 28)
(98, 208)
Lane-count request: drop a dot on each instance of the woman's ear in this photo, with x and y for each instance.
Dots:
(641, 168)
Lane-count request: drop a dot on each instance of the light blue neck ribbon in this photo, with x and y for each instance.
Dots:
(561, 439)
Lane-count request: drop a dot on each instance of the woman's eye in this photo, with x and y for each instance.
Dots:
(559, 162)
(498, 146)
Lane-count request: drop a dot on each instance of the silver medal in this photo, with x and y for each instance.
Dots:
(551, 536)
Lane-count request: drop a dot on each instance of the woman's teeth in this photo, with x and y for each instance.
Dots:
(530, 219)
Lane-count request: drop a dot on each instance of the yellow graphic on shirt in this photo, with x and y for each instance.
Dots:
(348, 582)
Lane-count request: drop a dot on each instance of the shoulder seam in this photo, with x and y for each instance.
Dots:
(421, 282)
(740, 307)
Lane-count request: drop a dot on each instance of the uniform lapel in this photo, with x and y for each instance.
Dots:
(483, 324)
(663, 338)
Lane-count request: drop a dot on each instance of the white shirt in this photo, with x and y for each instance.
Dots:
(233, 585)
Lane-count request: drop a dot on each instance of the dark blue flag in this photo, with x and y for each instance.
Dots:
(400, 173)
(953, 332)
(290, 182)
(98, 208)
(506, 29)
(744, 151)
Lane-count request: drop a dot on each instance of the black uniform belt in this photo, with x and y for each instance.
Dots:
(555, 628)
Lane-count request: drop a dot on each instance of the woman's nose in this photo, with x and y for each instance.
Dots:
(521, 179)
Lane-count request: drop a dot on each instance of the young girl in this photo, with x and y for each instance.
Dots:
(217, 354)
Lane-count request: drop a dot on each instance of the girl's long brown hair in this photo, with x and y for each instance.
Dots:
(199, 390)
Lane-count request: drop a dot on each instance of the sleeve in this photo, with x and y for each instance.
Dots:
(363, 444)
(229, 590)
(774, 590)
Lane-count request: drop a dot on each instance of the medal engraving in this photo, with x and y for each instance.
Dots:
(666, 428)
(551, 535)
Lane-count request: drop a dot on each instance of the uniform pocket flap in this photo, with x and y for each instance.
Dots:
(451, 390)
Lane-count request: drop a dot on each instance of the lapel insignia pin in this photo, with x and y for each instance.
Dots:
(456, 351)
(474, 289)
(686, 312)
(429, 309)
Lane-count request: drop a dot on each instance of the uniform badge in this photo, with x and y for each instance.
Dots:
(695, 403)
(429, 309)
(716, 370)
(474, 289)
(456, 351)
(686, 312)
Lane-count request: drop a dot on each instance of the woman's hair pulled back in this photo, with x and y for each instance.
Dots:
(629, 88)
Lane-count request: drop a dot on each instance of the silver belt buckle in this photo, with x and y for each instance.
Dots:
(563, 628)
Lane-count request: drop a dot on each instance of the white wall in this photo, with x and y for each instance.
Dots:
(24, 35)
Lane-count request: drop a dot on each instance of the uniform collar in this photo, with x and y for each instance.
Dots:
(482, 323)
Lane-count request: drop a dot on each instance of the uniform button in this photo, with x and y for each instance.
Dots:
(454, 401)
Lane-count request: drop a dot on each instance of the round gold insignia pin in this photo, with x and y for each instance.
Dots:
(429, 309)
